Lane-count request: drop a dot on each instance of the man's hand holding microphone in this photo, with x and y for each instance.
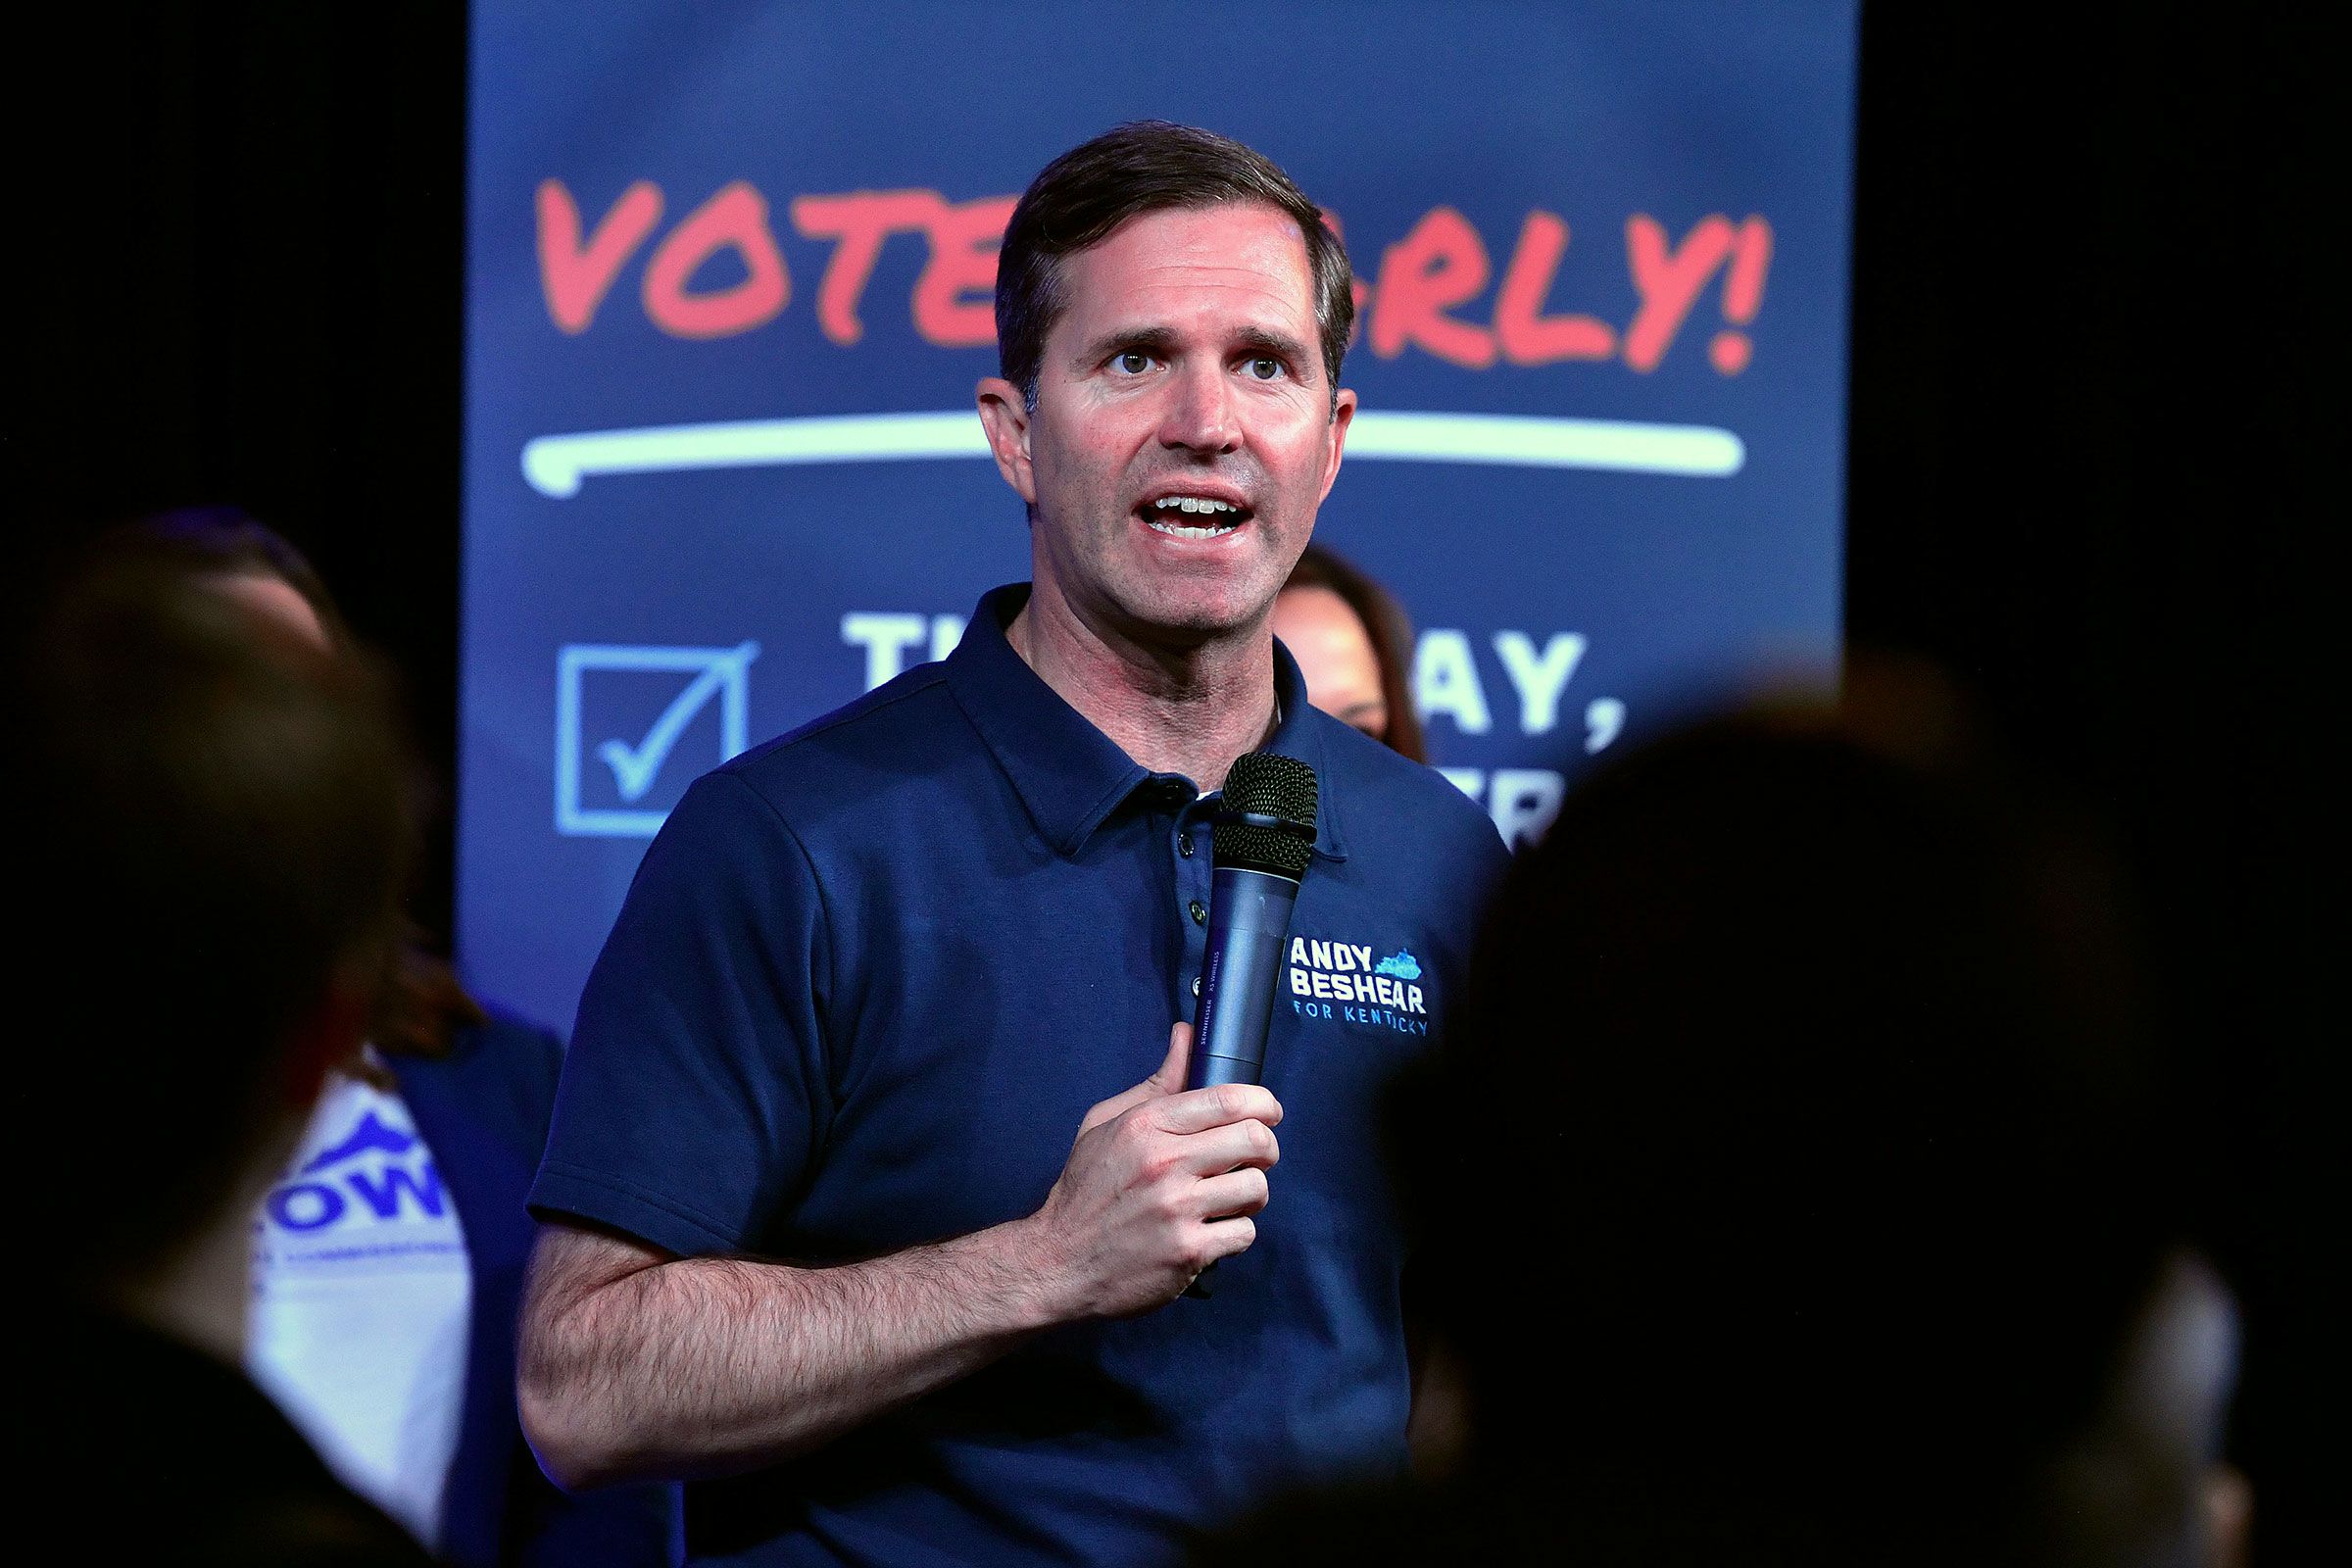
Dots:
(1160, 1183)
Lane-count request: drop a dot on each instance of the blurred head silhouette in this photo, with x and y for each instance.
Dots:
(1807, 1205)
(229, 551)
(215, 808)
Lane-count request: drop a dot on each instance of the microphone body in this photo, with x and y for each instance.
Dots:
(1249, 923)
(1265, 836)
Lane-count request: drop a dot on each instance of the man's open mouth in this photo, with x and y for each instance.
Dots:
(1191, 516)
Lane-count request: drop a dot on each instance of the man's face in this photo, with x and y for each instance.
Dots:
(1185, 365)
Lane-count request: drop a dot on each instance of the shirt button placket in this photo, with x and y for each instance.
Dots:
(1192, 891)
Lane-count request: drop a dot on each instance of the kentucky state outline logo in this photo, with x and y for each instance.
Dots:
(1340, 980)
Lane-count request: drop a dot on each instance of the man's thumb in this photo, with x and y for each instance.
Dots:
(1169, 1077)
(1166, 1079)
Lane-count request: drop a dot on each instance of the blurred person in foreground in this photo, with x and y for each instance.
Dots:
(389, 1252)
(1352, 643)
(1807, 1205)
(213, 825)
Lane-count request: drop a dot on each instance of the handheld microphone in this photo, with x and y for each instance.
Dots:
(1263, 839)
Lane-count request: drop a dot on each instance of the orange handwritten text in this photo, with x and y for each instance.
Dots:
(1434, 290)
(736, 220)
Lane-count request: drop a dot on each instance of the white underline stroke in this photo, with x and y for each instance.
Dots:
(557, 464)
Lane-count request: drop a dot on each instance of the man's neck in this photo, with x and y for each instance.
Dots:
(1182, 709)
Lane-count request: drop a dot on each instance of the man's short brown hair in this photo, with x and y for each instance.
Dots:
(1148, 165)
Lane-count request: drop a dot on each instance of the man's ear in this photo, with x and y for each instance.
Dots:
(1342, 415)
(1005, 416)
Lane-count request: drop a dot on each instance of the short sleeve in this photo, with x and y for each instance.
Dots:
(695, 1091)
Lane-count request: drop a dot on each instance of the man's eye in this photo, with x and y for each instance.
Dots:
(1135, 362)
(1265, 369)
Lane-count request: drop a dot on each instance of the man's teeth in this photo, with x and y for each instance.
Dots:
(1225, 514)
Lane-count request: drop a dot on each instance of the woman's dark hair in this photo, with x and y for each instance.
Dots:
(1148, 165)
(1387, 629)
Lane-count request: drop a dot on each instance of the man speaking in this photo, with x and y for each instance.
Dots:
(874, 1185)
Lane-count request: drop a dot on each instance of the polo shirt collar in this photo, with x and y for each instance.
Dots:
(1300, 733)
(1070, 776)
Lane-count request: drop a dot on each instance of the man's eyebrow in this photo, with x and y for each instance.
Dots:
(1162, 342)
(1156, 340)
(1282, 346)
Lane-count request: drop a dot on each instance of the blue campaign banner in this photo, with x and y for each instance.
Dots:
(729, 273)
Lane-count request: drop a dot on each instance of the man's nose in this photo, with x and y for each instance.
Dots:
(1199, 413)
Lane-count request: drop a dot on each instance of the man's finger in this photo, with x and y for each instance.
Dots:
(1235, 1192)
(1244, 1142)
(1226, 1237)
(1197, 1111)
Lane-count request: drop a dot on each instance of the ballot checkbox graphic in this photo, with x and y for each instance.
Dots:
(635, 725)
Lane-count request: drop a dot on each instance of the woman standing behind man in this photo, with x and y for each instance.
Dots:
(1352, 642)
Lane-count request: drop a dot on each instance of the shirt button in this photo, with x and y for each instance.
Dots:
(1184, 845)
(1199, 913)
(1195, 985)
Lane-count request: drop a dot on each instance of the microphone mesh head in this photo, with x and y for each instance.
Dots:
(1268, 785)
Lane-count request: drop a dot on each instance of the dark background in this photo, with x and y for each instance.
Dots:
(2087, 437)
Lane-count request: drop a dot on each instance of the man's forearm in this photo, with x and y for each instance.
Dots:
(635, 1363)
(706, 1366)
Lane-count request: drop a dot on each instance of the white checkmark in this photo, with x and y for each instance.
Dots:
(634, 766)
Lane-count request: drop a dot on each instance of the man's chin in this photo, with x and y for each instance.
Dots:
(1195, 619)
(1176, 612)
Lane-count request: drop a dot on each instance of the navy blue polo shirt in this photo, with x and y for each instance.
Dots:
(869, 979)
